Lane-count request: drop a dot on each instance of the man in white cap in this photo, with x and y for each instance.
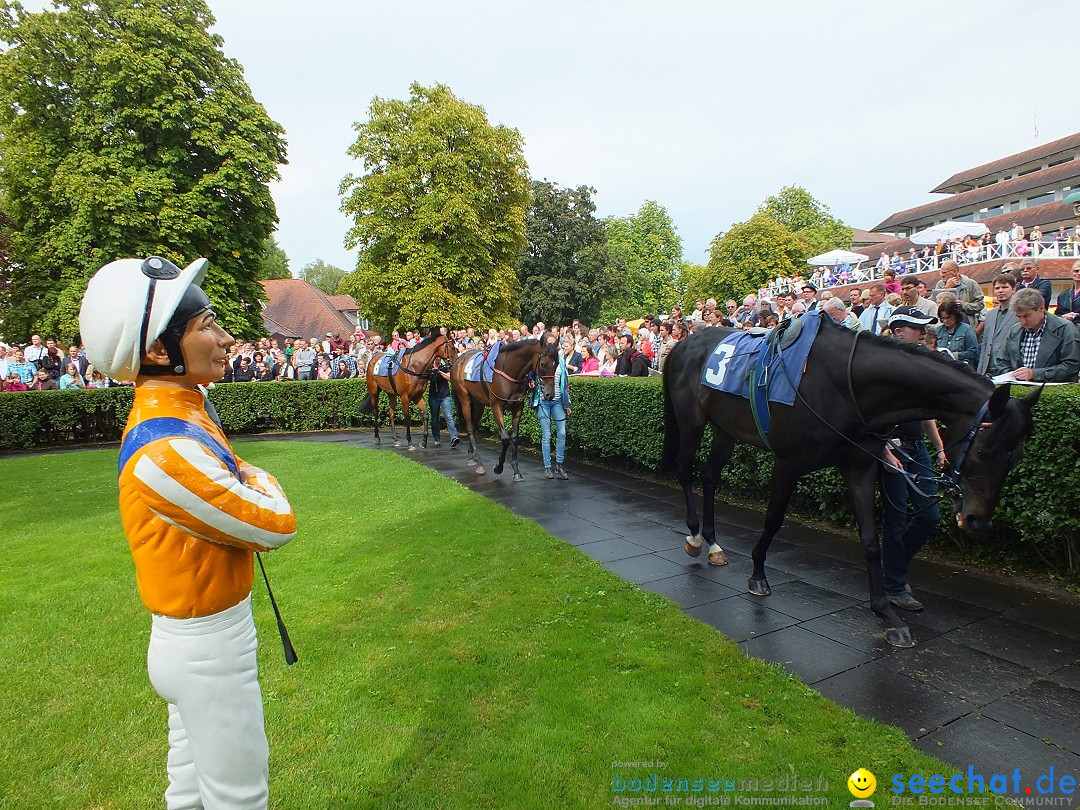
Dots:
(904, 533)
(194, 515)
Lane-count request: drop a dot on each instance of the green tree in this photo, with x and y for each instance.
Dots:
(439, 214)
(798, 211)
(748, 256)
(325, 276)
(692, 283)
(273, 262)
(562, 270)
(126, 131)
(646, 253)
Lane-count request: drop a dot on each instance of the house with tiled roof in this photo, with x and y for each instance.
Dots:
(295, 309)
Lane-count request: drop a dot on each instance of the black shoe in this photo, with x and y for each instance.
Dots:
(454, 442)
(548, 473)
(905, 601)
(561, 473)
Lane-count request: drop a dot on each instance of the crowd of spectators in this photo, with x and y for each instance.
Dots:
(1015, 243)
(967, 330)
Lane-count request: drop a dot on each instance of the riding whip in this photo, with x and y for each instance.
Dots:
(286, 642)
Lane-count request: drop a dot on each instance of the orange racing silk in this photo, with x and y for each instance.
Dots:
(193, 512)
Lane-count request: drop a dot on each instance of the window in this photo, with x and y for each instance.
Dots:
(1039, 199)
(986, 213)
(1014, 205)
(1027, 171)
(1059, 162)
(964, 218)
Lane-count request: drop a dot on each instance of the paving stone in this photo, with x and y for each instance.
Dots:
(803, 601)
(943, 613)
(979, 590)
(644, 568)
(804, 654)
(1028, 646)
(857, 627)
(567, 526)
(615, 549)
(689, 590)
(1042, 709)
(889, 697)
(739, 619)
(992, 747)
(1054, 615)
(1067, 676)
(975, 676)
(840, 577)
(651, 535)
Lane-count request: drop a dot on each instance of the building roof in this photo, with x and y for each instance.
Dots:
(861, 237)
(343, 303)
(966, 178)
(303, 309)
(970, 199)
(1055, 214)
(271, 327)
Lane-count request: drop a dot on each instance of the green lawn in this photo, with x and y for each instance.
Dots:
(452, 655)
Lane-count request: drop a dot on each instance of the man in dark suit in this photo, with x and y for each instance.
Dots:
(1068, 301)
(1042, 347)
(1029, 279)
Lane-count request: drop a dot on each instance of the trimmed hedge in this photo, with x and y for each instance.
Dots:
(616, 420)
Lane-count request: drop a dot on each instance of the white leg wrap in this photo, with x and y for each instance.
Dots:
(695, 540)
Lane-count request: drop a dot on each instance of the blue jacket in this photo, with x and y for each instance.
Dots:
(562, 381)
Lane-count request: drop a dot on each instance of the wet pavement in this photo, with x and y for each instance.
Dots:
(994, 678)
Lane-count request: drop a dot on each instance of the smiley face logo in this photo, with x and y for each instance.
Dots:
(861, 783)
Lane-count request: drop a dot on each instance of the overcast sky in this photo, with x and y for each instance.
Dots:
(706, 107)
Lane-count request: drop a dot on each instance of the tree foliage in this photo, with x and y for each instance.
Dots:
(797, 210)
(748, 256)
(325, 276)
(563, 267)
(273, 261)
(126, 131)
(439, 214)
(646, 253)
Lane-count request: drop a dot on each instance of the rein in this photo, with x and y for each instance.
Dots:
(491, 394)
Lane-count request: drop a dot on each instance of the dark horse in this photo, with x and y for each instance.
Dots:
(408, 381)
(852, 393)
(518, 366)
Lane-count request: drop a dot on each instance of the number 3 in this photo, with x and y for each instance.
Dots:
(721, 355)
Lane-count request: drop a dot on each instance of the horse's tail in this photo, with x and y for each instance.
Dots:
(669, 456)
(365, 406)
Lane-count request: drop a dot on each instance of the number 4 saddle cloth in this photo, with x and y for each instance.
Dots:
(763, 365)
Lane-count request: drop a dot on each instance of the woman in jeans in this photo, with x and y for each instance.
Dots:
(557, 410)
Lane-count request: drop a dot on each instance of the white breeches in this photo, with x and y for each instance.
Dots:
(205, 669)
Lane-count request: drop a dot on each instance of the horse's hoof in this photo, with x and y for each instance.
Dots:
(758, 587)
(472, 462)
(397, 444)
(479, 470)
(690, 548)
(377, 442)
(717, 557)
(899, 637)
(518, 478)
(424, 443)
(412, 448)
(497, 469)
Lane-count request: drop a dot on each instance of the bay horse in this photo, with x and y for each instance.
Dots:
(518, 367)
(408, 381)
(855, 388)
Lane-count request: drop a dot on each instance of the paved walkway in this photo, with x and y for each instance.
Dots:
(994, 678)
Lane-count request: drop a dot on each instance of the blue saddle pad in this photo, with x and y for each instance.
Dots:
(482, 365)
(383, 364)
(728, 367)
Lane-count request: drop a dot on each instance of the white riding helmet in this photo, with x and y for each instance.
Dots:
(127, 306)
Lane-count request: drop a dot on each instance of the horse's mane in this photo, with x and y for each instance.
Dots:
(519, 344)
(423, 343)
(918, 350)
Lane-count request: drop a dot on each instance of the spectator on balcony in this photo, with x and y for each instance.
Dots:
(966, 289)
(994, 326)
(1035, 238)
(956, 336)
(1068, 302)
(940, 249)
(1042, 347)
(1029, 279)
(1001, 243)
(881, 265)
